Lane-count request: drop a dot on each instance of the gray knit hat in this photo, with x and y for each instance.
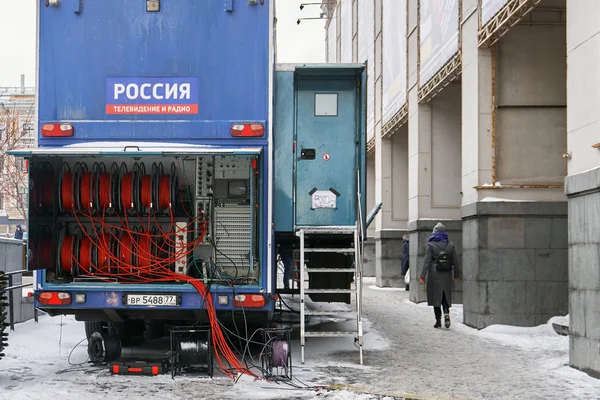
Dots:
(439, 228)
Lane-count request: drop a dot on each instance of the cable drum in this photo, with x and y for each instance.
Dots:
(139, 171)
(79, 170)
(276, 359)
(85, 256)
(194, 354)
(69, 250)
(279, 355)
(125, 195)
(102, 190)
(115, 185)
(125, 253)
(103, 252)
(104, 347)
(65, 189)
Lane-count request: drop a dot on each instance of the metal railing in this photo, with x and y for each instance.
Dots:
(11, 303)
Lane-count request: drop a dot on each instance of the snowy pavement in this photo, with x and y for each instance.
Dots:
(405, 357)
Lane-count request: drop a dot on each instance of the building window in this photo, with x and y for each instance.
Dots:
(326, 104)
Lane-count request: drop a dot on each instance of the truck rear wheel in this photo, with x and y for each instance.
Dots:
(94, 326)
(104, 347)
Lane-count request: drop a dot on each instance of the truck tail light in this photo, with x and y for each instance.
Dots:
(55, 298)
(57, 130)
(249, 300)
(247, 130)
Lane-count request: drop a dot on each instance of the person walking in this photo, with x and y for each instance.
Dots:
(405, 255)
(440, 265)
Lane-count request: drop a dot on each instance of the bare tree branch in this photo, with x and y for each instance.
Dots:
(16, 131)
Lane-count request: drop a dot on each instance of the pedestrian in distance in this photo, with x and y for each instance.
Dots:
(405, 254)
(19, 233)
(440, 265)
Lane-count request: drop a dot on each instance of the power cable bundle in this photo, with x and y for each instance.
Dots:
(3, 313)
(134, 248)
(116, 250)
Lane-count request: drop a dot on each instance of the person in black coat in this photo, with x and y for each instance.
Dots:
(440, 265)
(405, 255)
(19, 233)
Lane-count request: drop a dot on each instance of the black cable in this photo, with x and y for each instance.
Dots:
(72, 350)
(212, 241)
(289, 308)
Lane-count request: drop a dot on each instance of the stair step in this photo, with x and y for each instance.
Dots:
(308, 291)
(326, 230)
(329, 250)
(330, 334)
(330, 312)
(349, 270)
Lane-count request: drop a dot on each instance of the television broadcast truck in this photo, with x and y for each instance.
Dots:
(175, 160)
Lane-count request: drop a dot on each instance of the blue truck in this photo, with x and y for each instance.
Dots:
(176, 160)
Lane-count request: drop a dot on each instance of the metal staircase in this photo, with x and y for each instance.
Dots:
(358, 240)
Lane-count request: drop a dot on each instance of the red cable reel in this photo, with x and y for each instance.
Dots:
(168, 189)
(68, 256)
(66, 202)
(79, 171)
(130, 187)
(146, 253)
(104, 249)
(102, 188)
(85, 255)
(86, 192)
(149, 189)
(127, 262)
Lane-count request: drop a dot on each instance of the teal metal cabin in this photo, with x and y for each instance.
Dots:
(319, 146)
(319, 155)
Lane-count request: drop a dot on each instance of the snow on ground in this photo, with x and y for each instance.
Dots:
(49, 359)
(404, 357)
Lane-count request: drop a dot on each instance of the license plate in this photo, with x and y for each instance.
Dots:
(150, 300)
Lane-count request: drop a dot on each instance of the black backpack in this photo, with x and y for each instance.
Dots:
(443, 261)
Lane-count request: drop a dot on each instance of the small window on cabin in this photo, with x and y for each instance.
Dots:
(326, 104)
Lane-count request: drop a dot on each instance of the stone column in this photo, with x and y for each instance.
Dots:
(388, 241)
(434, 164)
(514, 238)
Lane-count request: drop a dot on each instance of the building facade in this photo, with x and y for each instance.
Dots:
(482, 115)
(17, 130)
